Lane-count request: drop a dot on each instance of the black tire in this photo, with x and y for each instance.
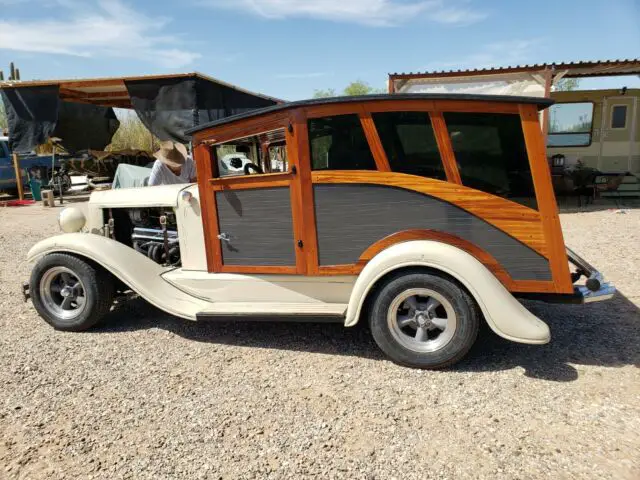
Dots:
(457, 341)
(96, 284)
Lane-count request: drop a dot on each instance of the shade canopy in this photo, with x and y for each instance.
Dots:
(80, 111)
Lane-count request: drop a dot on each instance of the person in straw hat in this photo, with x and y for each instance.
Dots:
(173, 165)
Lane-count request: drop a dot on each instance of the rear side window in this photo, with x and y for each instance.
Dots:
(492, 155)
(409, 142)
(339, 143)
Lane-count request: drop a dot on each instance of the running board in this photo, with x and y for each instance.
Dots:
(292, 312)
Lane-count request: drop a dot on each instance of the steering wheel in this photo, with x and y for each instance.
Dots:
(252, 166)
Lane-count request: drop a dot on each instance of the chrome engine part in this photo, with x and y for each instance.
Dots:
(151, 231)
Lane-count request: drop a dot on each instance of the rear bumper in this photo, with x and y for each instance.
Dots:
(595, 288)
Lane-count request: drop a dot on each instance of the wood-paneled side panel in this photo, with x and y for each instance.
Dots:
(547, 205)
(205, 164)
(516, 220)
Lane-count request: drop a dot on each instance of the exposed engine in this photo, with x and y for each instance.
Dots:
(151, 231)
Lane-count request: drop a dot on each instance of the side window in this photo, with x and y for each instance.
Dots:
(619, 116)
(339, 143)
(492, 155)
(258, 154)
(409, 142)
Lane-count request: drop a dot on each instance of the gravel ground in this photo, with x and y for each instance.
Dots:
(147, 395)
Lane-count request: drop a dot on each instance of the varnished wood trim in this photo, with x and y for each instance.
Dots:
(298, 147)
(205, 164)
(243, 128)
(375, 145)
(419, 234)
(547, 205)
(446, 150)
(245, 182)
(408, 105)
(518, 221)
(532, 286)
(297, 212)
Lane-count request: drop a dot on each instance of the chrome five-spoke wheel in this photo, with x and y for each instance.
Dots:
(422, 320)
(70, 293)
(62, 293)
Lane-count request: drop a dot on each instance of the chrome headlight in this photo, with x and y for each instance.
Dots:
(71, 220)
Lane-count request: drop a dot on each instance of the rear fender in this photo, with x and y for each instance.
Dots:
(142, 275)
(504, 314)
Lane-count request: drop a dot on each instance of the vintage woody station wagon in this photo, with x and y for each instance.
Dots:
(420, 214)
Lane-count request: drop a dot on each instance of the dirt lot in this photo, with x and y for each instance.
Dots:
(147, 395)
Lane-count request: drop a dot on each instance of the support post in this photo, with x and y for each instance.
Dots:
(548, 82)
(16, 168)
(390, 85)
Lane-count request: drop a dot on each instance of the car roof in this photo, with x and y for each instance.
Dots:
(541, 102)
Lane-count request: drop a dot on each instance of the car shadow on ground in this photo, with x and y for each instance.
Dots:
(602, 334)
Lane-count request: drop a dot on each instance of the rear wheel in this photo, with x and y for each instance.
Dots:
(424, 320)
(70, 293)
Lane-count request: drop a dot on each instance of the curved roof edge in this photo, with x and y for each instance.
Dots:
(541, 102)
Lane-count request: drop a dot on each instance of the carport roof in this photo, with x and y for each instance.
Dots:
(112, 91)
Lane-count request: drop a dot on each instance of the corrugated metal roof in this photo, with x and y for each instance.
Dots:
(591, 68)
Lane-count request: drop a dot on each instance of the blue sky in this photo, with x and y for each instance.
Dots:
(288, 48)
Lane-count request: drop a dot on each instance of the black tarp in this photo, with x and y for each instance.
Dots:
(32, 114)
(168, 107)
(36, 113)
(85, 127)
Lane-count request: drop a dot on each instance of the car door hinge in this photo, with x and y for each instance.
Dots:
(300, 244)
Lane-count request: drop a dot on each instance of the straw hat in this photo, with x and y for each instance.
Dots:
(172, 154)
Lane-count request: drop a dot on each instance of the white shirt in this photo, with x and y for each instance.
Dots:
(162, 175)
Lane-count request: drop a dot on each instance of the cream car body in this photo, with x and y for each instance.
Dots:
(190, 290)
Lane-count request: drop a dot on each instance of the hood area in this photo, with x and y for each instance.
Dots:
(160, 196)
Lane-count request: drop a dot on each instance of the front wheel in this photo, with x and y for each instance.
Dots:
(424, 320)
(70, 293)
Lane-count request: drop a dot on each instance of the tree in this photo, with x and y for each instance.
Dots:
(329, 92)
(359, 87)
(567, 84)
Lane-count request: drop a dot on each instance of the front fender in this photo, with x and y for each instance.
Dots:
(504, 314)
(142, 275)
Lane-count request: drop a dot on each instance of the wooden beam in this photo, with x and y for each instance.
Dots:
(16, 168)
(375, 144)
(548, 82)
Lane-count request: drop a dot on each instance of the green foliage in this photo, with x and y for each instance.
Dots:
(133, 135)
(567, 84)
(358, 87)
(3, 118)
(329, 92)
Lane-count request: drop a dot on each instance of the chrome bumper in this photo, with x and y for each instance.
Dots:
(595, 288)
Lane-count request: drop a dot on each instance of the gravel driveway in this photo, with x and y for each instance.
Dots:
(147, 395)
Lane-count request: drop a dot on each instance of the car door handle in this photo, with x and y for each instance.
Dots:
(225, 237)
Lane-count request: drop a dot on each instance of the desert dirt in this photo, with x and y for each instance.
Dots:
(147, 395)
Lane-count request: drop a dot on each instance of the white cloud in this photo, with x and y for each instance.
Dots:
(377, 13)
(98, 29)
(497, 54)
